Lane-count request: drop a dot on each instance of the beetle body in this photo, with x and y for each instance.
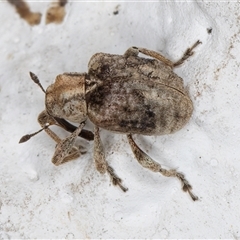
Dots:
(126, 94)
(133, 98)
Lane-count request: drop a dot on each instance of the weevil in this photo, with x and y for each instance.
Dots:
(125, 94)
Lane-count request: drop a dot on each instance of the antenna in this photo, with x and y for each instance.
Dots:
(36, 80)
(28, 136)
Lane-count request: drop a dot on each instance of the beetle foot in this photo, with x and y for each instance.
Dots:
(115, 179)
(188, 53)
(186, 186)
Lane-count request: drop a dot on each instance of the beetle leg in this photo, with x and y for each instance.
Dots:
(86, 134)
(43, 119)
(65, 150)
(101, 163)
(149, 163)
(188, 53)
(71, 152)
(134, 51)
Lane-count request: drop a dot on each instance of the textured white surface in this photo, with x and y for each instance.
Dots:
(39, 200)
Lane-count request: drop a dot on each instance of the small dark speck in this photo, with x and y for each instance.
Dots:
(116, 10)
(209, 30)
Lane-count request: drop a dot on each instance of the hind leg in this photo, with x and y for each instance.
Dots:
(149, 163)
(134, 51)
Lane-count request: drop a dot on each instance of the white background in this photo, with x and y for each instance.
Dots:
(39, 200)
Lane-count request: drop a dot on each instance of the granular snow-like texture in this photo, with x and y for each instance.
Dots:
(40, 200)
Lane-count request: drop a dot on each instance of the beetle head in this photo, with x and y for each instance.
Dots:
(66, 97)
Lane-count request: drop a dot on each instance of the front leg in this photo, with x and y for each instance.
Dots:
(149, 163)
(44, 118)
(65, 150)
(101, 163)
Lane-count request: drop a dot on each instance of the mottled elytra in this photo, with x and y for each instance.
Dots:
(125, 94)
